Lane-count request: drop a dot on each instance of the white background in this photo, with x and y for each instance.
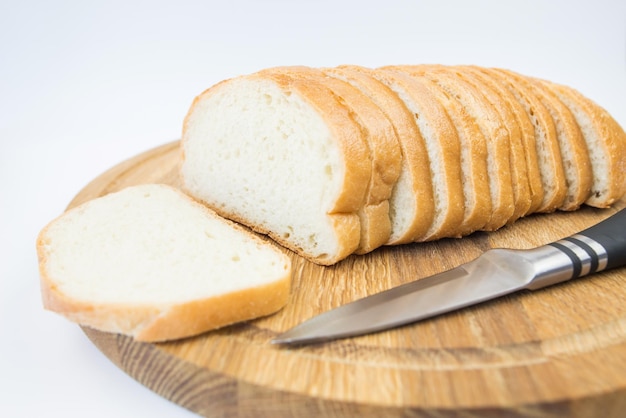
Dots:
(87, 84)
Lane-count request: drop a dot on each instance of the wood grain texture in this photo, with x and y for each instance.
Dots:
(555, 352)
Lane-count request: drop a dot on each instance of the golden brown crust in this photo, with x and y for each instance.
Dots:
(116, 318)
(152, 323)
(415, 163)
(200, 316)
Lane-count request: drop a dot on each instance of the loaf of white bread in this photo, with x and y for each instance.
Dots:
(331, 162)
(152, 263)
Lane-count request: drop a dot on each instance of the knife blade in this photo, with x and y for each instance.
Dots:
(497, 272)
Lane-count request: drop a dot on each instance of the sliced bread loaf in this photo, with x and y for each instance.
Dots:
(152, 263)
(335, 161)
(286, 158)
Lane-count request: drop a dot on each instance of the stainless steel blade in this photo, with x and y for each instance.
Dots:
(495, 273)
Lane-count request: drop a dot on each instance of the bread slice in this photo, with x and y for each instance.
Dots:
(443, 148)
(152, 263)
(606, 145)
(527, 134)
(548, 151)
(382, 142)
(282, 156)
(497, 139)
(411, 203)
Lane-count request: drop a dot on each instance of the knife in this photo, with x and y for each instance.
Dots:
(495, 273)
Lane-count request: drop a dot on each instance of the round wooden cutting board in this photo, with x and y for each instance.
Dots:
(559, 351)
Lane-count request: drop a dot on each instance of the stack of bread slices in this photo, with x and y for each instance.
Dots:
(335, 161)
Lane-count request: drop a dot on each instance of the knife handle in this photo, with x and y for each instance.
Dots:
(600, 247)
(611, 235)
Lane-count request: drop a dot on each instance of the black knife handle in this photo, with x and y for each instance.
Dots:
(600, 247)
(611, 234)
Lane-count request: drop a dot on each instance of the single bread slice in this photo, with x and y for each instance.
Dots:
(606, 145)
(276, 153)
(411, 205)
(152, 263)
(381, 140)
